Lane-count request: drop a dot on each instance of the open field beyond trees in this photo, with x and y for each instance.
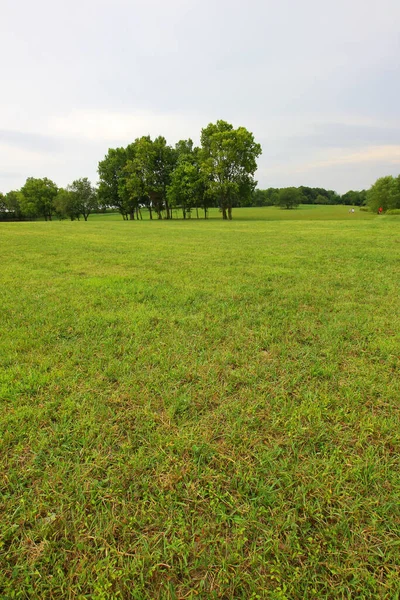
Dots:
(201, 409)
(305, 212)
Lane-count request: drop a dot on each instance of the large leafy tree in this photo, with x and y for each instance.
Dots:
(382, 194)
(85, 196)
(288, 197)
(111, 173)
(137, 183)
(188, 187)
(127, 186)
(38, 197)
(229, 161)
(164, 161)
(148, 174)
(182, 190)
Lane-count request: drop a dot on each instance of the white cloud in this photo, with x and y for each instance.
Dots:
(100, 125)
(380, 154)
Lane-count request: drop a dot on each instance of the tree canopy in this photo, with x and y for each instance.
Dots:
(384, 194)
(84, 196)
(288, 197)
(38, 197)
(229, 161)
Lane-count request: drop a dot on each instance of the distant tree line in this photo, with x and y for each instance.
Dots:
(293, 196)
(180, 180)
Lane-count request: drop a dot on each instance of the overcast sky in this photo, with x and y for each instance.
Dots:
(317, 82)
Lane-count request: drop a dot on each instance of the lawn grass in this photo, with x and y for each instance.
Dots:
(200, 409)
(306, 212)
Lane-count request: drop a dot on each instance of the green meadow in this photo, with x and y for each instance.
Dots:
(201, 409)
(263, 213)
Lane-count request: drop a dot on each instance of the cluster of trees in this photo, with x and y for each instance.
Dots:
(384, 194)
(42, 198)
(152, 174)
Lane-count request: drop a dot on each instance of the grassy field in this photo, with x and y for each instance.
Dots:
(201, 409)
(270, 213)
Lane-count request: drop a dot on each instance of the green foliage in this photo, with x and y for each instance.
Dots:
(259, 198)
(229, 161)
(189, 185)
(393, 211)
(309, 195)
(182, 190)
(395, 194)
(353, 198)
(174, 431)
(85, 197)
(140, 173)
(385, 194)
(38, 197)
(65, 204)
(111, 171)
(163, 161)
(321, 199)
(289, 197)
(137, 182)
(17, 206)
(319, 196)
(152, 173)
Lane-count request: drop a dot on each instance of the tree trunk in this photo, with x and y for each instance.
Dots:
(151, 213)
(167, 209)
(132, 215)
(230, 212)
(85, 217)
(224, 215)
(197, 211)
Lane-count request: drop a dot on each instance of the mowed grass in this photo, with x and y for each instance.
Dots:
(200, 409)
(263, 213)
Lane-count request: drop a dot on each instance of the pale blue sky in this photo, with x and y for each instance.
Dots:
(317, 82)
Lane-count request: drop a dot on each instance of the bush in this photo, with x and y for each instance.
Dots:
(364, 208)
(393, 211)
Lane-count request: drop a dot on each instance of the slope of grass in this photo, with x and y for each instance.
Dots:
(200, 411)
